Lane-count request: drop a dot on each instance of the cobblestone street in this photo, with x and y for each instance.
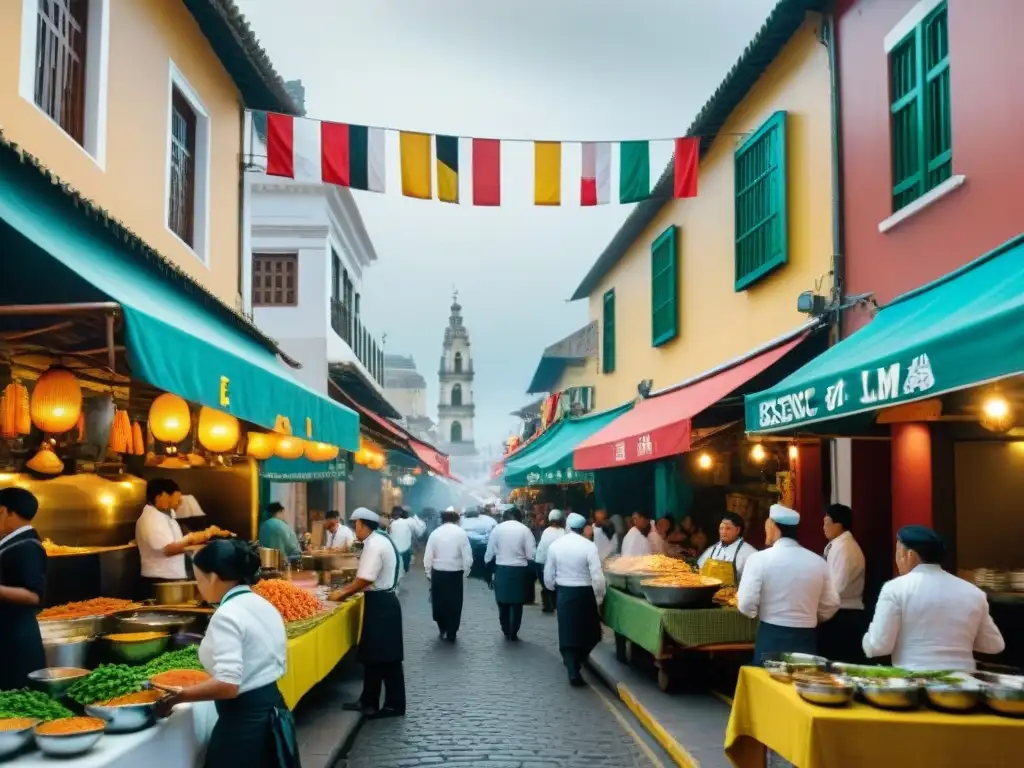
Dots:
(488, 703)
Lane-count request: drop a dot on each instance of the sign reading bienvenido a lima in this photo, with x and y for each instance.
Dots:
(850, 392)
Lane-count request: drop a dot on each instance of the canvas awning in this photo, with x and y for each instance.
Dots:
(661, 426)
(964, 329)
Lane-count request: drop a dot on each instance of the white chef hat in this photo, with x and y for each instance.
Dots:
(554, 514)
(576, 521)
(450, 509)
(188, 507)
(362, 513)
(784, 515)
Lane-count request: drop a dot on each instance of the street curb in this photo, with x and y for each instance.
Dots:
(667, 742)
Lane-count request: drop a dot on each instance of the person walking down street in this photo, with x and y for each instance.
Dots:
(511, 547)
(447, 560)
(401, 534)
(573, 571)
(554, 531)
(22, 580)
(381, 650)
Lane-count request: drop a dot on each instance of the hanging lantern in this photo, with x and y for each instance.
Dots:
(260, 445)
(376, 463)
(218, 431)
(996, 414)
(169, 419)
(56, 401)
(321, 451)
(14, 411)
(288, 447)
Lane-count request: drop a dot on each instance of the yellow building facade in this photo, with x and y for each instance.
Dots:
(724, 305)
(139, 104)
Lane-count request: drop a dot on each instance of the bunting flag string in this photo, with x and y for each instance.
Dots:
(353, 156)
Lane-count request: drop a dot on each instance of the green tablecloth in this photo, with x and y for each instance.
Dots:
(647, 625)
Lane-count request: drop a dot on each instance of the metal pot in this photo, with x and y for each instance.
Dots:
(54, 630)
(154, 621)
(270, 558)
(325, 560)
(67, 653)
(176, 593)
(679, 597)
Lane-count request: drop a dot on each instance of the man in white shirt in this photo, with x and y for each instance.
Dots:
(642, 538)
(158, 535)
(336, 535)
(839, 637)
(573, 571)
(511, 547)
(381, 650)
(927, 619)
(726, 559)
(447, 559)
(551, 534)
(788, 588)
(401, 534)
(604, 535)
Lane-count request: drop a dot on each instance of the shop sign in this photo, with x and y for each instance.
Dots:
(559, 476)
(853, 391)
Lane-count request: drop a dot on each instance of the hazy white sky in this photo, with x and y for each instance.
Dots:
(531, 69)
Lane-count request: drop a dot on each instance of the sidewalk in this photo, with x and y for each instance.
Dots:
(324, 731)
(690, 727)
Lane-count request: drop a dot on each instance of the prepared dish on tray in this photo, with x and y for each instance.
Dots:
(682, 579)
(207, 535)
(656, 564)
(727, 596)
(179, 678)
(98, 606)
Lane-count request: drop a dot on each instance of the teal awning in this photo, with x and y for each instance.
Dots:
(303, 470)
(962, 330)
(175, 342)
(548, 461)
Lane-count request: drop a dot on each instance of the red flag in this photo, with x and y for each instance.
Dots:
(486, 172)
(687, 162)
(280, 145)
(334, 154)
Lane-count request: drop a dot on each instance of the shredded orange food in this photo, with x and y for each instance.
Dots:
(142, 697)
(682, 580)
(658, 564)
(292, 602)
(16, 723)
(207, 535)
(179, 678)
(135, 637)
(99, 606)
(69, 725)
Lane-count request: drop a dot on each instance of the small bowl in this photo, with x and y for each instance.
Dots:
(55, 681)
(824, 694)
(13, 741)
(953, 697)
(138, 651)
(1005, 699)
(67, 745)
(892, 694)
(779, 670)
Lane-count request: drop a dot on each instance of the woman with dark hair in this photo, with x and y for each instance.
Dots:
(244, 652)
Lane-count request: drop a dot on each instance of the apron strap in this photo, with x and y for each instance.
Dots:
(398, 561)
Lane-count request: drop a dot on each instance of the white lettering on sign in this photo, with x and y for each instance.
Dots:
(787, 408)
(644, 446)
(887, 385)
(919, 377)
(835, 396)
(620, 451)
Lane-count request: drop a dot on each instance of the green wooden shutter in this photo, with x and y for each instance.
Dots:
(608, 332)
(664, 288)
(921, 125)
(762, 221)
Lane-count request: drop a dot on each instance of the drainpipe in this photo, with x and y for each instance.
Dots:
(243, 208)
(828, 34)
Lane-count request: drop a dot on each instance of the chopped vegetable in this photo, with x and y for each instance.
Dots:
(186, 658)
(292, 602)
(69, 725)
(106, 682)
(180, 678)
(100, 606)
(16, 723)
(32, 704)
(142, 697)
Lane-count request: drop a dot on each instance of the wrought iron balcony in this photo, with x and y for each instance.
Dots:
(352, 331)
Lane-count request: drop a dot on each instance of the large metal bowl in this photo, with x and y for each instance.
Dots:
(825, 695)
(138, 651)
(126, 718)
(1005, 699)
(633, 580)
(154, 620)
(12, 742)
(176, 593)
(680, 597)
(616, 580)
(796, 662)
(71, 629)
(953, 697)
(55, 681)
(68, 652)
(69, 745)
(778, 670)
(894, 693)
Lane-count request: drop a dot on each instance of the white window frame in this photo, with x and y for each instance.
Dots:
(909, 23)
(201, 215)
(97, 74)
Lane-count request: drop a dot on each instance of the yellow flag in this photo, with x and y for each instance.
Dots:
(416, 165)
(547, 173)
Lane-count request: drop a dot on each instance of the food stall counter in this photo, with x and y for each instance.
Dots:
(767, 714)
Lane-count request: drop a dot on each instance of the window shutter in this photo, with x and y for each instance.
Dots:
(608, 332)
(664, 288)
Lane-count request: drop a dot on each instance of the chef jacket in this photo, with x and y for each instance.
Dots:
(929, 620)
(635, 543)
(606, 546)
(448, 549)
(154, 530)
(245, 643)
(573, 561)
(738, 553)
(550, 536)
(401, 534)
(788, 586)
(846, 565)
(377, 563)
(510, 543)
(479, 525)
(341, 537)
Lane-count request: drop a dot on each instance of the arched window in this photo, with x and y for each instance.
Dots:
(456, 432)
(458, 362)
(457, 394)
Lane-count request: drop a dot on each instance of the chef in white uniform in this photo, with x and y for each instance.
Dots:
(726, 559)
(158, 536)
(839, 638)
(511, 548)
(604, 534)
(788, 588)
(551, 534)
(642, 538)
(573, 571)
(447, 559)
(927, 619)
(336, 534)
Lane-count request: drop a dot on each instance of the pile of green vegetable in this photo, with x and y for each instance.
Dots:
(32, 704)
(108, 681)
(895, 673)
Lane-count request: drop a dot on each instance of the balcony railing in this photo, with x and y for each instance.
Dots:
(348, 325)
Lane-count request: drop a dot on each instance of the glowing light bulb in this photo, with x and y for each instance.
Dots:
(996, 407)
(704, 461)
(757, 453)
(793, 452)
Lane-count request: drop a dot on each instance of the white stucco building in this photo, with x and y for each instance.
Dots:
(456, 409)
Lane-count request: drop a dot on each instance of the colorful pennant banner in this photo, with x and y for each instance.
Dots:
(354, 156)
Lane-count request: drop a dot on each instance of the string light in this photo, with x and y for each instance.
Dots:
(758, 453)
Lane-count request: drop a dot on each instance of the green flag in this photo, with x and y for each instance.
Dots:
(634, 171)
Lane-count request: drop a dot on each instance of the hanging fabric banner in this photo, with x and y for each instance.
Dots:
(596, 180)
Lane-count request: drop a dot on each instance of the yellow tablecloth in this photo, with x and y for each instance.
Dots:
(313, 655)
(767, 713)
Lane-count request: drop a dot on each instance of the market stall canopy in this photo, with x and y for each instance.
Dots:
(964, 329)
(174, 342)
(548, 460)
(661, 426)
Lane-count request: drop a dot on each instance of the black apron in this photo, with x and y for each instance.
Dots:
(255, 729)
(381, 639)
(513, 584)
(579, 623)
(772, 638)
(446, 588)
(21, 643)
(840, 638)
